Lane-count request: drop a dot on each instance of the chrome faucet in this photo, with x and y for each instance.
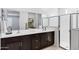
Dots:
(44, 28)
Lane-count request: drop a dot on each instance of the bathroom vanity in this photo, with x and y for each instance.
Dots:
(28, 40)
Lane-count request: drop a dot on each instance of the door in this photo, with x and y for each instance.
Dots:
(13, 46)
(51, 38)
(36, 42)
(65, 31)
(26, 43)
(12, 43)
(44, 40)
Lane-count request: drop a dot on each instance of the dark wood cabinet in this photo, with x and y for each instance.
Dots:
(28, 42)
(3, 45)
(47, 39)
(16, 43)
(13, 46)
(44, 40)
(35, 42)
(51, 38)
(10, 43)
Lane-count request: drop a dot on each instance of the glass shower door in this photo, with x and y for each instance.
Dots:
(65, 31)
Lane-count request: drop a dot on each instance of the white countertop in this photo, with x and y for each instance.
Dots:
(26, 32)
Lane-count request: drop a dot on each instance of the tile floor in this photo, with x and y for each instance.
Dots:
(52, 48)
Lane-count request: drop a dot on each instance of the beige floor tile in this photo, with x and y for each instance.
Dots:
(52, 48)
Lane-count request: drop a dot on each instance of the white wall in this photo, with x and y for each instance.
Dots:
(50, 11)
(62, 11)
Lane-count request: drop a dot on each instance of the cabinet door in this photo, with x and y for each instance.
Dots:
(44, 40)
(35, 42)
(51, 38)
(10, 44)
(3, 45)
(26, 43)
(13, 46)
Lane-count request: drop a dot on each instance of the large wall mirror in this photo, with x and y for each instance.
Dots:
(34, 20)
(11, 20)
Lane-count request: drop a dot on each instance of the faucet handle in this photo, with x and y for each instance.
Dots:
(44, 28)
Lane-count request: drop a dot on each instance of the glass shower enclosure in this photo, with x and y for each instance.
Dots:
(65, 24)
(68, 22)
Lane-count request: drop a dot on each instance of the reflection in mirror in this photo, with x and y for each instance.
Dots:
(50, 22)
(11, 21)
(34, 20)
(53, 21)
(45, 22)
(30, 23)
(31, 20)
(40, 21)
